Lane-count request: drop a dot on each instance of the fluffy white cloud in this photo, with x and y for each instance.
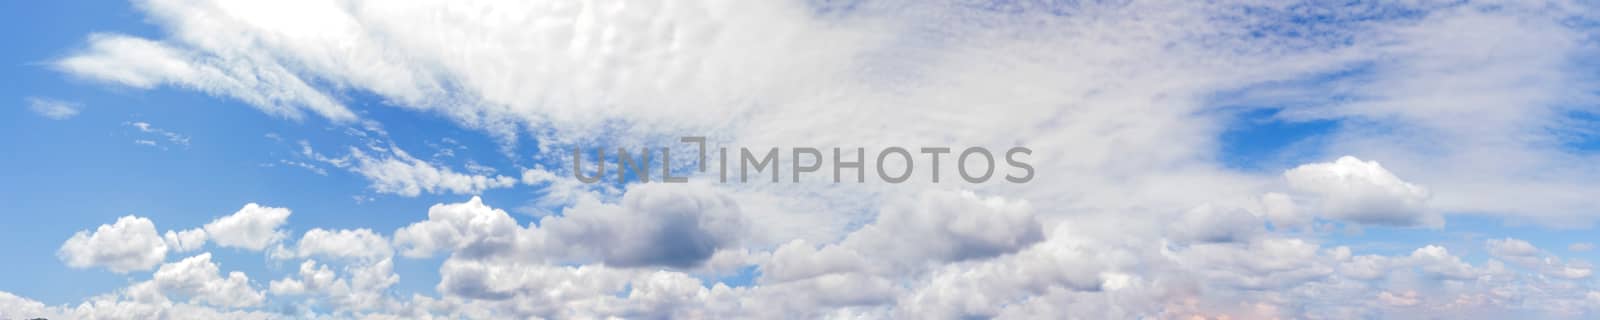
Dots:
(200, 280)
(130, 244)
(678, 226)
(186, 240)
(1363, 192)
(469, 228)
(1437, 261)
(1066, 262)
(591, 291)
(362, 288)
(345, 244)
(948, 226)
(312, 278)
(253, 227)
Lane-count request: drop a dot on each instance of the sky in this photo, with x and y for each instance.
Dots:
(414, 160)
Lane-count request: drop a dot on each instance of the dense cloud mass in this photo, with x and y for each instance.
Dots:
(1440, 110)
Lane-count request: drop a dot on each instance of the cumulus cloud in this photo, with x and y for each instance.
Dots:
(1437, 261)
(655, 224)
(130, 244)
(344, 244)
(363, 286)
(678, 226)
(253, 227)
(53, 109)
(186, 240)
(1363, 192)
(1075, 268)
(200, 280)
(469, 228)
(940, 226)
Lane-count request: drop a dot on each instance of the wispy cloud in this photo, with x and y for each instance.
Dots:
(162, 137)
(54, 109)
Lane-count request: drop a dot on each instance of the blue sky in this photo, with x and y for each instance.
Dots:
(1151, 145)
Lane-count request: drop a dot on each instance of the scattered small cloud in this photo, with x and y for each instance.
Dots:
(54, 109)
(159, 134)
(311, 167)
(1580, 247)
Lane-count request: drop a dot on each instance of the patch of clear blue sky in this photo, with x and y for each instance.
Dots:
(1255, 135)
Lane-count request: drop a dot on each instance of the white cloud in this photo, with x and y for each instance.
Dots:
(346, 244)
(499, 268)
(1580, 247)
(1510, 247)
(15, 307)
(1209, 223)
(655, 224)
(130, 244)
(199, 279)
(1281, 210)
(408, 176)
(54, 109)
(253, 227)
(1407, 299)
(1437, 261)
(469, 228)
(1524, 254)
(363, 287)
(312, 278)
(144, 64)
(1363, 192)
(169, 136)
(976, 291)
(112, 307)
(186, 240)
(943, 226)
